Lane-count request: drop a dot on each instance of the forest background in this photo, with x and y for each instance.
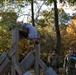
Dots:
(44, 20)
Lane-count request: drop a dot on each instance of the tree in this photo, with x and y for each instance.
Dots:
(47, 25)
(8, 20)
(57, 27)
(32, 10)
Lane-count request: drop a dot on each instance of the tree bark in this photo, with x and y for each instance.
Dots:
(57, 27)
(32, 11)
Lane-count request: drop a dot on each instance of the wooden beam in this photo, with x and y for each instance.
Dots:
(12, 52)
(50, 71)
(27, 61)
(43, 65)
(37, 53)
(3, 57)
(15, 48)
(19, 69)
(5, 66)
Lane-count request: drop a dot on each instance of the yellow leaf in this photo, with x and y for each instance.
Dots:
(0, 27)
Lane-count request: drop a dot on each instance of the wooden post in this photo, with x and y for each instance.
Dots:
(37, 53)
(27, 62)
(5, 66)
(15, 56)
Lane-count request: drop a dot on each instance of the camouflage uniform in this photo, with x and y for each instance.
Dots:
(69, 65)
(54, 61)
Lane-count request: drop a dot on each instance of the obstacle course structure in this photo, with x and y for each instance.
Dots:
(9, 61)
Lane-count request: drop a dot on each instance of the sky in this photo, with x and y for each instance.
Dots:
(26, 10)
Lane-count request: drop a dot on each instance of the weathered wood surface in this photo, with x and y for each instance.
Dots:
(50, 71)
(5, 66)
(27, 61)
(3, 57)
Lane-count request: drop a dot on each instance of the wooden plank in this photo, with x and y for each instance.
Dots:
(27, 61)
(27, 73)
(5, 66)
(19, 69)
(15, 43)
(12, 52)
(3, 57)
(43, 65)
(15, 49)
(37, 53)
(50, 71)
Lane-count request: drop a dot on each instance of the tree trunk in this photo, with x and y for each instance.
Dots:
(57, 27)
(32, 11)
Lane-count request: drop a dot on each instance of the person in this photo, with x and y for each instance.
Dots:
(28, 31)
(69, 63)
(54, 60)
